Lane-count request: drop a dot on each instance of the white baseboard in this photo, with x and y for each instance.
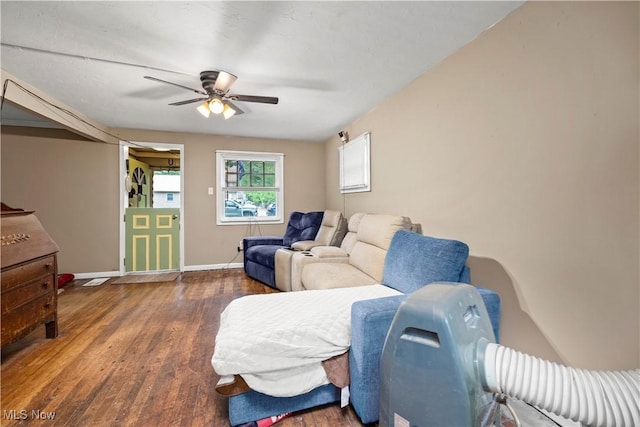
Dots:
(213, 266)
(186, 268)
(96, 274)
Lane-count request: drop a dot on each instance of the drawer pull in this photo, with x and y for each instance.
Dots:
(47, 304)
(48, 265)
(45, 285)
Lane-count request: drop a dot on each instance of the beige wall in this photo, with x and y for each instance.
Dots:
(62, 176)
(524, 144)
(72, 184)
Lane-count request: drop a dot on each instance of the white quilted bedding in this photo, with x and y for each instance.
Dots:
(277, 342)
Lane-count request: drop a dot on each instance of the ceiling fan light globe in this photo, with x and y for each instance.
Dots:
(228, 112)
(216, 106)
(204, 110)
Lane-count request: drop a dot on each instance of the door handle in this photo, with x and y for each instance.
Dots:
(174, 216)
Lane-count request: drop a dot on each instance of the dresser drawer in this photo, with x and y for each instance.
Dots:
(24, 319)
(22, 294)
(28, 271)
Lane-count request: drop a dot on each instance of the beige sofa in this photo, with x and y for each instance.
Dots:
(358, 261)
(331, 233)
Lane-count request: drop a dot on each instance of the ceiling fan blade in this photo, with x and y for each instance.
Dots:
(201, 92)
(224, 81)
(189, 101)
(253, 98)
(235, 107)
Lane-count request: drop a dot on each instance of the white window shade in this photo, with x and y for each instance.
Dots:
(355, 168)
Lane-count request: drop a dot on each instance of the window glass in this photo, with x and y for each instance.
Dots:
(249, 187)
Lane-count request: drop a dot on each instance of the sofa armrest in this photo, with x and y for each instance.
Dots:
(283, 261)
(250, 241)
(304, 245)
(329, 252)
(370, 323)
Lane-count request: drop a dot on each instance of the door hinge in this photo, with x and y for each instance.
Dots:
(124, 218)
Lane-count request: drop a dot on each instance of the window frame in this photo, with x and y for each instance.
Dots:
(222, 156)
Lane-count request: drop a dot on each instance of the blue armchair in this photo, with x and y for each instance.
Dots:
(259, 251)
(412, 261)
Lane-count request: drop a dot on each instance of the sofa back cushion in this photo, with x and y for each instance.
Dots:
(372, 241)
(302, 226)
(350, 238)
(332, 229)
(379, 229)
(414, 260)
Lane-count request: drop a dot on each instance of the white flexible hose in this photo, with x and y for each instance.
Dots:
(593, 398)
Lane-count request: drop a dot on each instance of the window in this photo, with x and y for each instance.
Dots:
(355, 165)
(250, 187)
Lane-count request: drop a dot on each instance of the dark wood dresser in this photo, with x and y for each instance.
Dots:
(29, 276)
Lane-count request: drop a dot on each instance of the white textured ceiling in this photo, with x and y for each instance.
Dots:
(328, 62)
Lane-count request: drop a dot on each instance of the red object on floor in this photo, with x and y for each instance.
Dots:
(64, 278)
(268, 422)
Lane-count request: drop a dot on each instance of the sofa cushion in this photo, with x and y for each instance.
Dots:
(302, 226)
(349, 242)
(369, 259)
(378, 230)
(331, 232)
(354, 221)
(350, 238)
(263, 254)
(414, 260)
(374, 236)
(334, 275)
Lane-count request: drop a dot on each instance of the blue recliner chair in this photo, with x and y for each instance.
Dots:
(260, 251)
(412, 261)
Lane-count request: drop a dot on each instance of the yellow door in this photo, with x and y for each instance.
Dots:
(152, 239)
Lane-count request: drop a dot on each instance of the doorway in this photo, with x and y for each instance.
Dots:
(151, 207)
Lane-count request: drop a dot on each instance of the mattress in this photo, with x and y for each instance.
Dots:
(277, 342)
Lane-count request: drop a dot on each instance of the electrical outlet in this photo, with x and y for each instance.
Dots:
(210, 191)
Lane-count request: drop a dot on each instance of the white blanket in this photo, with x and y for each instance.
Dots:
(277, 342)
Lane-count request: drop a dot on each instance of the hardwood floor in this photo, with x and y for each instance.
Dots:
(133, 354)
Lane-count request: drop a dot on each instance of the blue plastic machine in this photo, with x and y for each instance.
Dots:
(428, 362)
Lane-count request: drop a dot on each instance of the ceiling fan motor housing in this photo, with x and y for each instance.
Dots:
(208, 79)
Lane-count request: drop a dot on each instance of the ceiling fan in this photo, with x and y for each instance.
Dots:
(217, 99)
